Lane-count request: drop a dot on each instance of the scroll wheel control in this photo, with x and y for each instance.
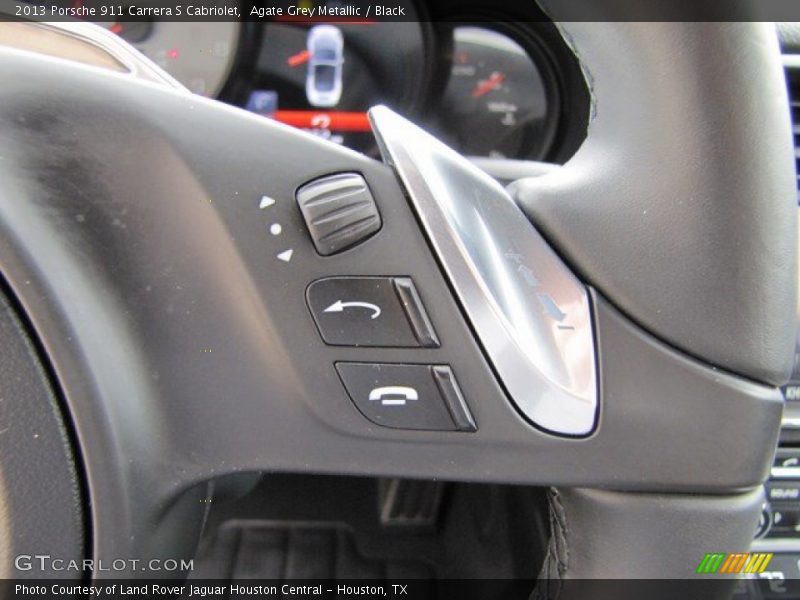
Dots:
(339, 211)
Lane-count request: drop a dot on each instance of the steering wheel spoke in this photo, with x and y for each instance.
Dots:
(221, 294)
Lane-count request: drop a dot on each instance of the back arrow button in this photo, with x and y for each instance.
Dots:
(339, 306)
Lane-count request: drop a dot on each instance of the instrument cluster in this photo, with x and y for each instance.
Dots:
(487, 87)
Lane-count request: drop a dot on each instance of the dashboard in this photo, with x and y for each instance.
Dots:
(492, 88)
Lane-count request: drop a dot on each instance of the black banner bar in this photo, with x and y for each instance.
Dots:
(409, 589)
(389, 11)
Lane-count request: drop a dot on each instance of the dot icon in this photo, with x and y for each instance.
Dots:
(275, 229)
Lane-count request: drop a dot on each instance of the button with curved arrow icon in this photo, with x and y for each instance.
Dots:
(370, 311)
(340, 306)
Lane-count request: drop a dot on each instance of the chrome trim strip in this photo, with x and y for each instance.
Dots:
(530, 312)
(785, 472)
(776, 545)
(790, 61)
(790, 423)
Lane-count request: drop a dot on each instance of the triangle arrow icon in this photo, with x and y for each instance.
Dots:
(265, 202)
(286, 256)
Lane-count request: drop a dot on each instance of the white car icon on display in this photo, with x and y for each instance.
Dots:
(325, 44)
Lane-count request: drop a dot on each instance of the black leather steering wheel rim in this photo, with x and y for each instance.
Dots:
(678, 93)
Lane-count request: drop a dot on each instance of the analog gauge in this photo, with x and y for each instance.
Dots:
(495, 102)
(198, 54)
(323, 77)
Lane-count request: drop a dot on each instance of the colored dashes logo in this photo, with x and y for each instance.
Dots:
(741, 562)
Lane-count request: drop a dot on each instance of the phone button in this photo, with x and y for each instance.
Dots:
(423, 397)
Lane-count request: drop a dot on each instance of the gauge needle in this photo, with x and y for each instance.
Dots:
(295, 60)
(487, 85)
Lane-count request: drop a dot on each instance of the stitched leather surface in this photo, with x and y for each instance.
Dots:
(556, 560)
(40, 500)
(599, 534)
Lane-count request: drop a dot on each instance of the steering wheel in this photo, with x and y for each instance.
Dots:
(192, 291)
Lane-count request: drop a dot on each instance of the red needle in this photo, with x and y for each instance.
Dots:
(295, 60)
(487, 85)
